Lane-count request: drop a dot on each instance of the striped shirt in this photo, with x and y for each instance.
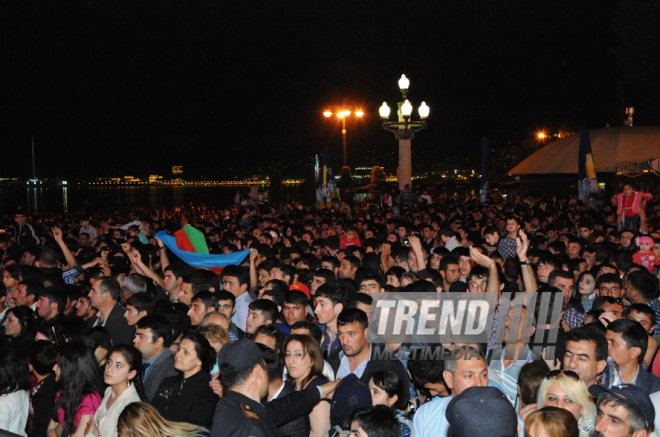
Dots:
(509, 375)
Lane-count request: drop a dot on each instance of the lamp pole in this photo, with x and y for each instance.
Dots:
(342, 116)
(343, 136)
(404, 129)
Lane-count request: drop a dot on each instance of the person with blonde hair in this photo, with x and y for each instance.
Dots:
(140, 419)
(551, 422)
(563, 389)
(217, 337)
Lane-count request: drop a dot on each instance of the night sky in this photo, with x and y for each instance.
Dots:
(225, 88)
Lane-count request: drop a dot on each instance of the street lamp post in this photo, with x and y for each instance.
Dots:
(342, 115)
(404, 129)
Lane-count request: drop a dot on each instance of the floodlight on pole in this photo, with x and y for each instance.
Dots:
(343, 114)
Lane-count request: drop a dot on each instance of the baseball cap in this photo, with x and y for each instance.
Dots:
(300, 287)
(629, 394)
(482, 411)
(239, 355)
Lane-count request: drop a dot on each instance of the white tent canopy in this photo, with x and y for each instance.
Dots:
(609, 146)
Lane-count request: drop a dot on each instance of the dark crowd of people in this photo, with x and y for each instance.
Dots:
(106, 332)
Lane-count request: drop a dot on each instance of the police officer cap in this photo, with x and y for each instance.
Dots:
(239, 355)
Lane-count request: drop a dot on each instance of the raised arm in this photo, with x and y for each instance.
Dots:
(419, 253)
(529, 279)
(136, 258)
(164, 260)
(493, 273)
(126, 247)
(254, 280)
(385, 252)
(70, 259)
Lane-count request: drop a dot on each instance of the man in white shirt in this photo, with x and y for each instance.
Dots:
(236, 280)
(86, 228)
(430, 419)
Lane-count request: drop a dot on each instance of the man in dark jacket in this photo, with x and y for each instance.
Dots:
(105, 298)
(153, 338)
(42, 357)
(23, 231)
(627, 342)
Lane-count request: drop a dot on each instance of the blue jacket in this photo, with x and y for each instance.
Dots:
(647, 381)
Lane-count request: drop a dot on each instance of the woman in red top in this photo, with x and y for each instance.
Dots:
(79, 387)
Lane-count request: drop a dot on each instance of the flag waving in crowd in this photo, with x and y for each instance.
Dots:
(189, 244)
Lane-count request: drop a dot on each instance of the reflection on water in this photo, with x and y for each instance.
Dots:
(65, 199)
(35, 198)
(74, 198)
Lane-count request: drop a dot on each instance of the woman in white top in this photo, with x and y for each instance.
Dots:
(123, 376)
(14, 400)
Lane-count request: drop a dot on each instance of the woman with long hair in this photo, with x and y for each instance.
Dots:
(20, 328)
(564, 389)
(551, 422)
(388, 389)
(586, 286)
(187, 397)
(140, 419)
(10, 278)
(304, 364)
(54, 333)
(122, 374)
(79, 388)
(102, 344)
(14, 400)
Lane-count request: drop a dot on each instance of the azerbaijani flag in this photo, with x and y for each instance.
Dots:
(190, 246)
